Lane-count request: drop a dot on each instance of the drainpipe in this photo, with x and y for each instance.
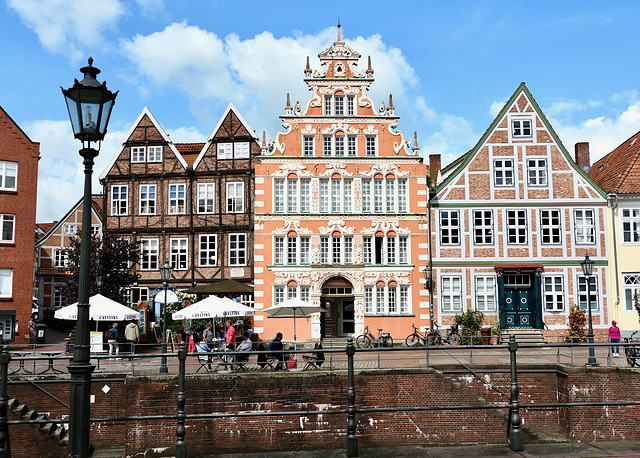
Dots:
(612, 201)
(431, 195)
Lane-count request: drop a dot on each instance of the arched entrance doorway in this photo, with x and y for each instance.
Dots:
(337, 298)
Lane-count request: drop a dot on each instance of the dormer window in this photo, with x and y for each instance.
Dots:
(522, 128)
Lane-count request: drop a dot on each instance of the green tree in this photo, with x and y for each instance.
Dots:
(112, 258)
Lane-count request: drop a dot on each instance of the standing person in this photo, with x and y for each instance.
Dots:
(112, 339)
(132, 334)
(31, 326)
(230, 337)
(614, 337)
(209, 336)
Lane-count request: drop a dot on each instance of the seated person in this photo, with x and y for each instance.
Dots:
(262, 357)
(202, 347)
(319, 354)
(245, 345)
(275, 351)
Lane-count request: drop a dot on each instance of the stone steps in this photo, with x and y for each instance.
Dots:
(55, 431)
(523, 336)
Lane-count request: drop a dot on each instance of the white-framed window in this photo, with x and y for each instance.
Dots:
(451, 293)
(149, 254)
(503, 172)
(237, 248)
(177, 198)
(247, 299)
(119, 200)
(485, 293)
(517, 227)
(351, 104)
(585, 226)
(96, 230)
(292, 250)
(308, 145)
(178, 252)
(60, 257)
(352, 146)
(69, 229)
(8, 175)
(241, 150)
(339, 145)
(154, 154)
(382, 195)
(327, 145)
(7, 228)
(225, 151)
(336, 195)
(338, 104)
(550, 227)
(521, 128)
(553, 291)
(327, 105)
(370, 145)
(280, 293)
(483, 227)
(336, 249)
(291, 195)
(537, 172)
(59, 300)
(235, 196)
(206, 198)
(147, 199)
(631, 225)
(593, 292)
(207, 250)
(6, 282)
(385, 249)
(138, 153)
(449, 227)
(631, 290)
(386, 300)
(137, 294)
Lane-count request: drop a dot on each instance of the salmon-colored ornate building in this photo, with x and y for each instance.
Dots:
(341, 202)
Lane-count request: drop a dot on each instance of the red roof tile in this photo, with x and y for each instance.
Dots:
(619, 171)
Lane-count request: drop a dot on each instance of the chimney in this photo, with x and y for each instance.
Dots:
(435, 163)
(582, 156)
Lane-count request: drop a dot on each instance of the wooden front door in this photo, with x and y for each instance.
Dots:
(519, 300)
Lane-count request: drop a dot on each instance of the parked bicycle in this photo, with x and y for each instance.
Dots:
(435, 337)
(632, 353)
(368, 340)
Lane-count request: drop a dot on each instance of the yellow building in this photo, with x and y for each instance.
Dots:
(618, 174)
(340, 211)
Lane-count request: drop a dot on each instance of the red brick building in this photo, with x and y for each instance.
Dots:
(18, 190)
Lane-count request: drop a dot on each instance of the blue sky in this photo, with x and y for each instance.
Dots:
(449, 65)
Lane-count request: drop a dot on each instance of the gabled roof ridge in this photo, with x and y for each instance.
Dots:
(54, 228)
(628, 165)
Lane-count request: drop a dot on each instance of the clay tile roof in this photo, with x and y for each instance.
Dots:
(189, 151)
(619, 171)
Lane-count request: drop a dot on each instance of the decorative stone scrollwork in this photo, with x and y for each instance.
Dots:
(384, 168)
(370, 129)
(308, 129)
(292, 225)
(293, 167)
(386, 226)
(297, 110)
(336, 225)
(334, 168)
(382, 110)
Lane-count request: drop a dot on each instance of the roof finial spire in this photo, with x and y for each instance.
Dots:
(369, 69)
(339, 30)
(307, 70)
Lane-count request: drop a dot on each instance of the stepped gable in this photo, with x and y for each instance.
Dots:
(619, 171)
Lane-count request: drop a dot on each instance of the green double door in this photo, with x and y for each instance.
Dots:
(519, 300)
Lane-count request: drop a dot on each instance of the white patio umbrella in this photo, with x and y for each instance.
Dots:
(100, 309)
(213, 307)
(296, 307)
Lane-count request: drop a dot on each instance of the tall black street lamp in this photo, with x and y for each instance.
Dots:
(89, 104)
(165, 273)
(587, 270)
(428, 272)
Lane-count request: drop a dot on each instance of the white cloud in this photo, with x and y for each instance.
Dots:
(495, 107)
(68, 27)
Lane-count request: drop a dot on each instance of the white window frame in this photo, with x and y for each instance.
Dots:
(630, 226)
(119, 200)
(581, 292)
(206, 198)
(450, 228)
(483, 227)
(280, 293)
(386, 250)
(207, 255)
(351, 105)
(237, 255)
(327, 145)
(522, 127)
(177, 198)
(154, 154)
(352, 146)
(553, 293)
(224, 150)
(148, 204)
(6, 283)
(70, 229)
(149, 254)
(371, 145)
(550, 226)
(585, 231)
(241, 150)
(308, 145)
(387, 300)
(235, 196)
(60, 257)
(537, 174)
(179, 253)
(451, 293)
(138, 154)
(7, 228)
(631, 288)
(136, 294)
(8, 169)
(517, 232)
(485, 294)
(503, 172)
(375, 195)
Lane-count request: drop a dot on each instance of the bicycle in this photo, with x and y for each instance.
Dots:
(434, 337)
(368, 340)
(632, 353)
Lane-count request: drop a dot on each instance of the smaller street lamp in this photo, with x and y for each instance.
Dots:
(165, 272)
(428, 272)
(587, 270)
(99, 283)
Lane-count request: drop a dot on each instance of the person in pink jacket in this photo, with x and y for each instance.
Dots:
(614, 337)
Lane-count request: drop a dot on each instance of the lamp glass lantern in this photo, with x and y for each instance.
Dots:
(89, 104)
(587, 266)
(165, 272)
(427, 271)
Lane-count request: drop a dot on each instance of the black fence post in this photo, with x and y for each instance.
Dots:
(515, 435)
(352, 440)
(181, 445)
(5, 445)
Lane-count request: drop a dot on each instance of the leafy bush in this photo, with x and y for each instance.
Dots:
(577, 323)
(471, 322)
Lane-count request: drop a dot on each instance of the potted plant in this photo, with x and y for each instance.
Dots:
(496, 330)
(471, 322)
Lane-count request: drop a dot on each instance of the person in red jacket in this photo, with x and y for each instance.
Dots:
(614, 337)
(230, 338)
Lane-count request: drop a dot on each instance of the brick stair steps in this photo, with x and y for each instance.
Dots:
(523, 336)
(54, 431)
